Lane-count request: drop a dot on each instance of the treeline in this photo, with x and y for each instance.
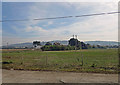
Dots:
(68, 47)
(74, 44)
(57, 47)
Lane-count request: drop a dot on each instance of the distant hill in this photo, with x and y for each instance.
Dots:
(19, 45)
(103, 43)
(62, 42)
(29, 45)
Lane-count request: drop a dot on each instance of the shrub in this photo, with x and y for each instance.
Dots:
(7, 62)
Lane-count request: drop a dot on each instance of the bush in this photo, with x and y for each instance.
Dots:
(93, 65)
(7, 62)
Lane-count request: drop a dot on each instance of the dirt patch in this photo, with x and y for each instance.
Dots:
(16, 76)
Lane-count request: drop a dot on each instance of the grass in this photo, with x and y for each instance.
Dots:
(94, 60)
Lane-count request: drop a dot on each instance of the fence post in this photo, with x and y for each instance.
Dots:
(46, 60)
(82, 60)
(21, 59)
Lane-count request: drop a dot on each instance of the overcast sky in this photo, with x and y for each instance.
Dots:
(104, 27)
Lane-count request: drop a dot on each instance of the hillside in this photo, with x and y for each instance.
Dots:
(103, 43)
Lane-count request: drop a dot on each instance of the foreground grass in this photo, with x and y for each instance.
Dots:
(94, 60)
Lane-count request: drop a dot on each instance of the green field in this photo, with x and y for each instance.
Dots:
(94, 60)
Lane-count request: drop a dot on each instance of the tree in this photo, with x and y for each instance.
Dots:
(88, 45)
(56, 43)
(73, 42)
(36, 43)
(83, 45)
(93, 46)
(77, 44)
(48, 43)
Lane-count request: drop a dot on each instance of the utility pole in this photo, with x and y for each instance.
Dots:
(7, 45)
(76, 42)
(46, 60)
(76, 36)
(73, 36)
(82, 60)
